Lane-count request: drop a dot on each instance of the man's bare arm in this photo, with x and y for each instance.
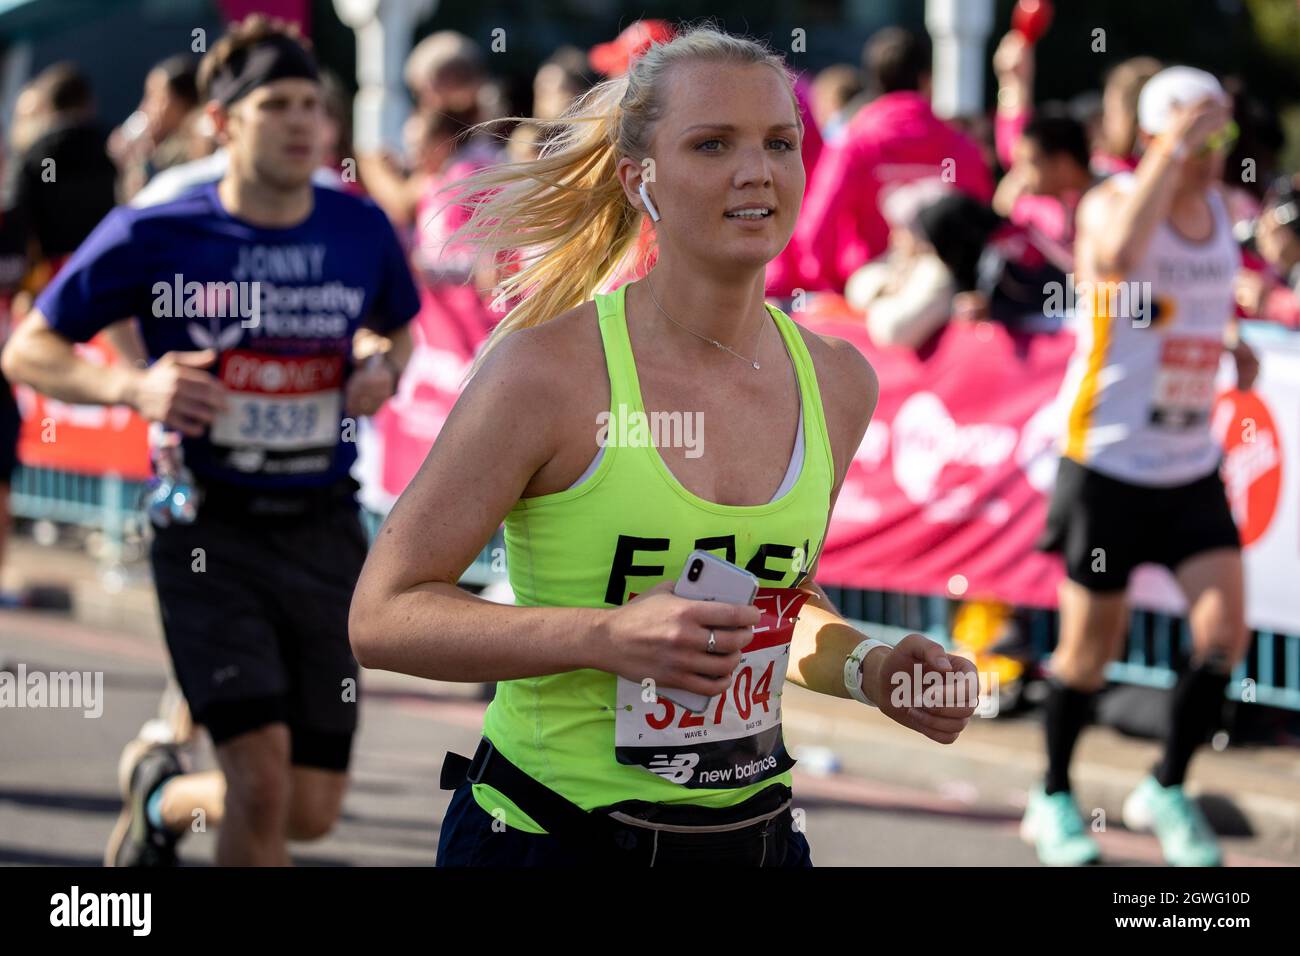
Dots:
(38, 356)
(174, 390)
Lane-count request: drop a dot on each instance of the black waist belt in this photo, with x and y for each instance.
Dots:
(637, 832)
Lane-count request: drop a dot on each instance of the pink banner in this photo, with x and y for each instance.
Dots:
(947, 493)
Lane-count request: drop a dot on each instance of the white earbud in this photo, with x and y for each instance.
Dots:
(650, 207)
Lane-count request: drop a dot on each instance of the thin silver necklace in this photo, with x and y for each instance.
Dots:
(752, 361)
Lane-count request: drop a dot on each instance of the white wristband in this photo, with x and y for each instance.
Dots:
(853, 669)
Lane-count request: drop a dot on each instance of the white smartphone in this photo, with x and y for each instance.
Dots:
(706, 577)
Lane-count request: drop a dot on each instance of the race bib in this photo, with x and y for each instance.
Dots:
(737, 740)
(280, 404)
(1184, 386)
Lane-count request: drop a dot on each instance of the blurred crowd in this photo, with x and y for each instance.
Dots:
(975, 218)
(913, 220)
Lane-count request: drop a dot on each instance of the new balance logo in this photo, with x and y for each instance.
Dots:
(678, 770)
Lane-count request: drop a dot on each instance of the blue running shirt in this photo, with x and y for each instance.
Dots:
(279, 305)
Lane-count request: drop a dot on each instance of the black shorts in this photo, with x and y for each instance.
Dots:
(257, 624)
(10, 424)
(1105, 527)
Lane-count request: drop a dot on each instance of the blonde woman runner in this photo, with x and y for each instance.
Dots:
(581, 761)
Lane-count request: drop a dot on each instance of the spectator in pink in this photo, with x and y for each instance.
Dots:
(895, 139)
(454, 296)
(456, 314)
(1048, 176)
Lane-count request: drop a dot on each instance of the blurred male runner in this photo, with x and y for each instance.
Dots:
(250, 293)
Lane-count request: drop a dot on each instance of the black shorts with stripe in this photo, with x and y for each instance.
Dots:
(1105, 527)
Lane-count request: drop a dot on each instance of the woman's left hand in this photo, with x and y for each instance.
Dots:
(906, 693)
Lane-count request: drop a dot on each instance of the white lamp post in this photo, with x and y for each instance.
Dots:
(383, 29)
(959, 30)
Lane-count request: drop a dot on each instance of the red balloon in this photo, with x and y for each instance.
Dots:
(1031, 18)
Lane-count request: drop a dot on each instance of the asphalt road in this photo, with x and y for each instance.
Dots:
(58, 795)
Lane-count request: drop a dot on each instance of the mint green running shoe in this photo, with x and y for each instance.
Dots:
(1053, 826)
(1186, 837)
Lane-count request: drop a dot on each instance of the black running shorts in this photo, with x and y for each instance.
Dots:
(255, 611)
(1105, 527)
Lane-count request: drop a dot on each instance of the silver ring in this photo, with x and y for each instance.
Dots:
(713, 643)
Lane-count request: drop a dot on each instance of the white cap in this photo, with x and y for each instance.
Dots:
(1174, 86)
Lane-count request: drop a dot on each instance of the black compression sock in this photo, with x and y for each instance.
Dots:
(1067, 713)
(1194, 711)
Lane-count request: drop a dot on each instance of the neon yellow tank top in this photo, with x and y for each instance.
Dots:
(599, 739)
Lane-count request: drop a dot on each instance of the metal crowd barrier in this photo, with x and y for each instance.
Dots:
(108, 504)
(1157, 643)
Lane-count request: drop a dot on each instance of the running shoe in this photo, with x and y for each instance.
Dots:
(1053, 826)
(135, 841)
(1186, 837)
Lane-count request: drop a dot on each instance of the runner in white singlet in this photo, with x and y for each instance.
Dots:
(1139, 474)
(1141, 381)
